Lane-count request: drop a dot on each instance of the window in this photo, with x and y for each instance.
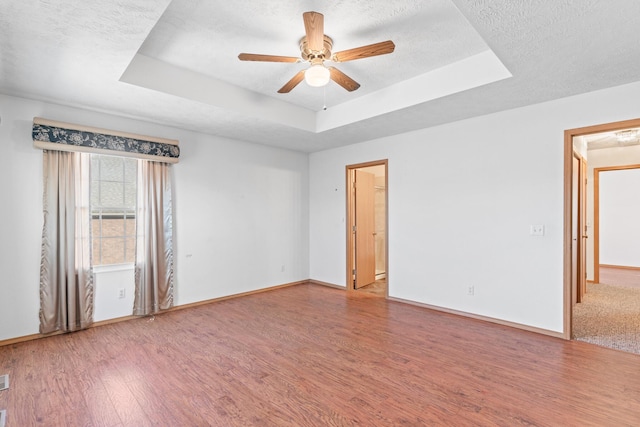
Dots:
(113, 208)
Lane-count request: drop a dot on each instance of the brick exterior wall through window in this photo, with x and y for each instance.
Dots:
(112, 246)
(113, 204)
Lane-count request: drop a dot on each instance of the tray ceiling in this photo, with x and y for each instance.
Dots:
(175, 62)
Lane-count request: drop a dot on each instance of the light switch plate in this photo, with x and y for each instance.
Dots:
(537, 230)
(3, 417)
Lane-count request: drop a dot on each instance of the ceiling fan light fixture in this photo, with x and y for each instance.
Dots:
(317, 75)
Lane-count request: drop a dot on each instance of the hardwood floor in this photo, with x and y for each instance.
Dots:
(620, 276)
(377, 288)
(312, 356)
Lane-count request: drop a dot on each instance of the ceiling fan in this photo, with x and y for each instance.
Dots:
(315, 48)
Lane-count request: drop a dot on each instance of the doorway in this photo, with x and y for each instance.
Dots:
(367, 231)
(601, 148)
(616, 230)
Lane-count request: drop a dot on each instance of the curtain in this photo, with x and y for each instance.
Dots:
(60, 136)
(154, 239)
(66, 280)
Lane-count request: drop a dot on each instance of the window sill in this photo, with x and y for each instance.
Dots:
(113, 267)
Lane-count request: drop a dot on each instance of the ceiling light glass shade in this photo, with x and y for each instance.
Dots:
(317, 75)
(627, 135)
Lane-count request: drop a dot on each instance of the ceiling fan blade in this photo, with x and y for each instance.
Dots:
(343, 80)
(266, 58)
(375, 49)
(292, 83)
(314, 28)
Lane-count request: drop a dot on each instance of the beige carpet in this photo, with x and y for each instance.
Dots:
(609, 316)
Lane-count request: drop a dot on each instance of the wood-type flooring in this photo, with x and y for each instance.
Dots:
(309, 355)
(620, 276)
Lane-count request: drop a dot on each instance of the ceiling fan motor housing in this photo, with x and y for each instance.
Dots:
(309, 55)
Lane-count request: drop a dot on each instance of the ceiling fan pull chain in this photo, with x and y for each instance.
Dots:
(324, 98)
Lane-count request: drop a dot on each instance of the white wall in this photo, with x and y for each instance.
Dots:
(619, 217)
(617, 156)
(241, 215)
(462, 197)
(108, 281)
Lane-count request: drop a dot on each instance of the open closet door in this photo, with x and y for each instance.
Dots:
(365, 232)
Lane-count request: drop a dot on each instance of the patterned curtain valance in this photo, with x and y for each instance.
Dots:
(51, 135)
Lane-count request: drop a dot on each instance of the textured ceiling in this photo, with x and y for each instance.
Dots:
(81, 53)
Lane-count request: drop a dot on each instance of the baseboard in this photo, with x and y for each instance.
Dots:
(32, 337)
(483, 318)
(620, 267)
(24, 338)
(520, 326)
(460, 313)
(242, 294)
(329, 285)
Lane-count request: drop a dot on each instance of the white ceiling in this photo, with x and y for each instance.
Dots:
(604, 140)
(175, 62)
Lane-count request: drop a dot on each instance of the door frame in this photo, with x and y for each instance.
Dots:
(575, 228)
(579, 286)
(350, 215)
(569, 134)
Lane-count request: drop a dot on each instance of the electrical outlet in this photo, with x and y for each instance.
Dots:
(471, 290)
(121, 293)
(4, 382)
